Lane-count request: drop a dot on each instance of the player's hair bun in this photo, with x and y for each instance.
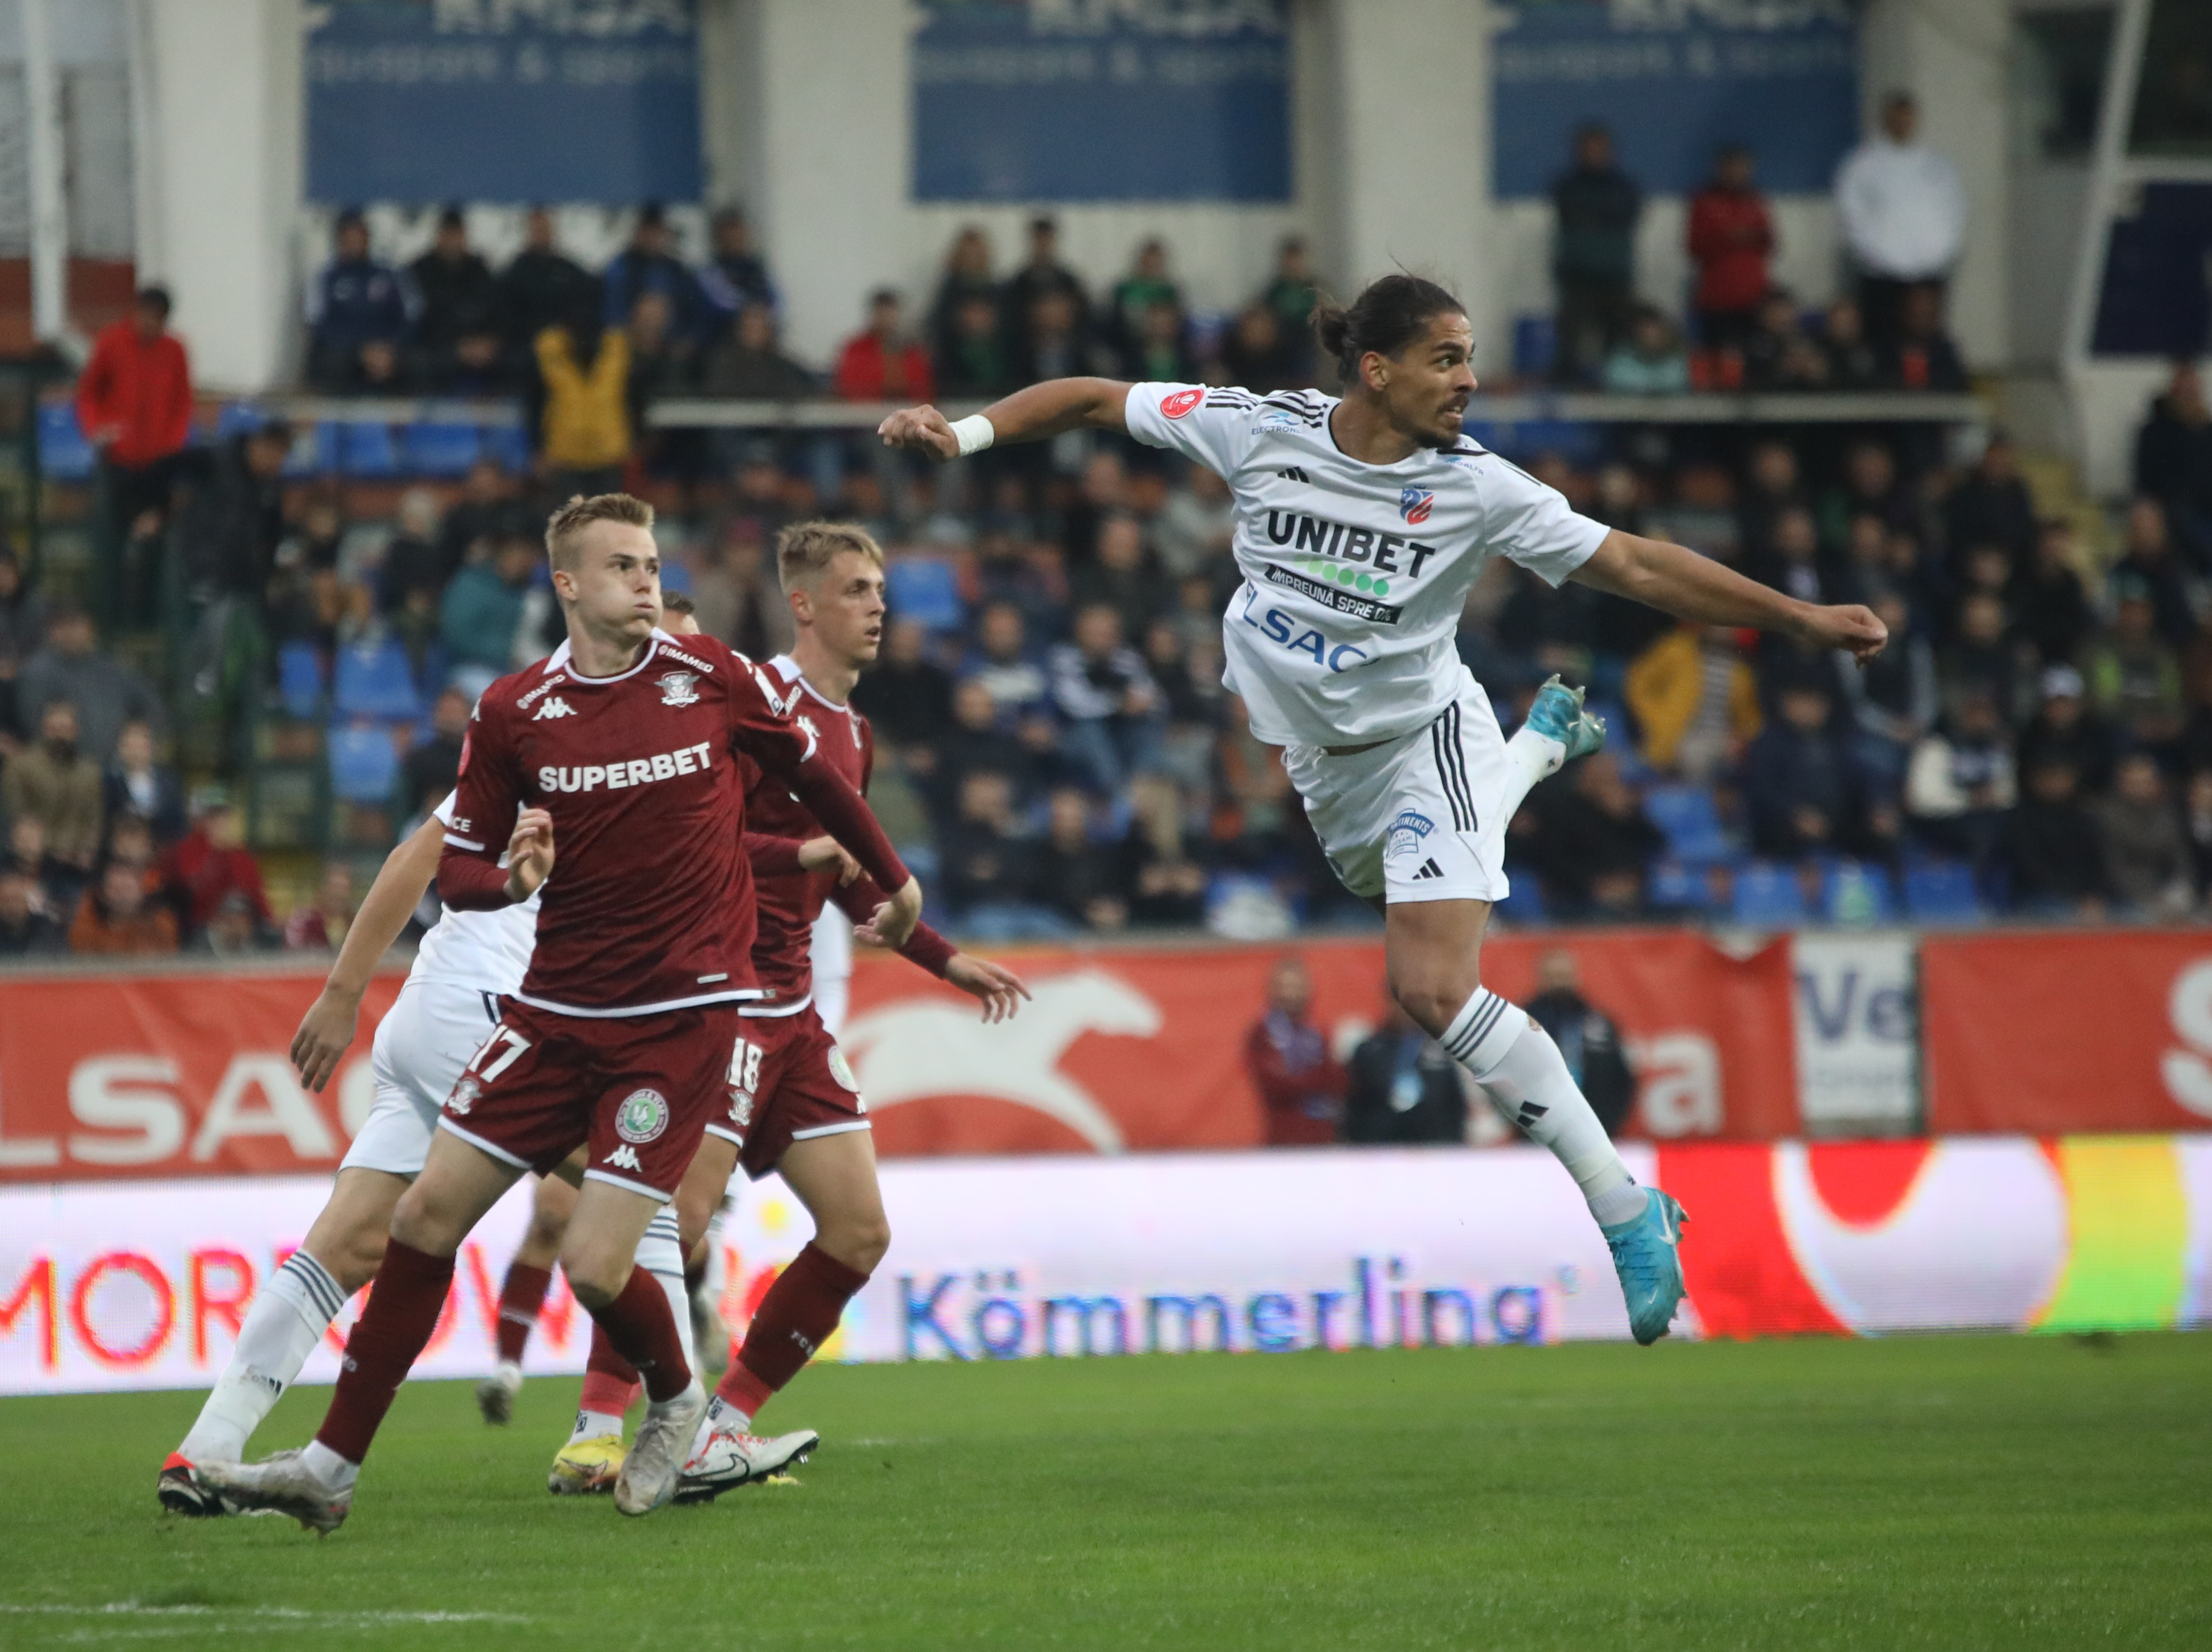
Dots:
(1389, 315)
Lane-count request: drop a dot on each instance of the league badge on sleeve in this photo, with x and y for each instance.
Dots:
(1414, 504)
(1181, 402)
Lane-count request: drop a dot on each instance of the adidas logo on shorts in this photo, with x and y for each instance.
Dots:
(1429, 869)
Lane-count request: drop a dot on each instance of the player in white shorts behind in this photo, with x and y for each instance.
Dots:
(443, 1015)
(1361, 525)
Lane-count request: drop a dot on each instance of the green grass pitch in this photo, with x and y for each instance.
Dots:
(1934, 1492)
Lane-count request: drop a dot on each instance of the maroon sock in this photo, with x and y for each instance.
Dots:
(800, 1310)
(519, 1298)
(609, 1380)
(402, 1312)
(642, 1331)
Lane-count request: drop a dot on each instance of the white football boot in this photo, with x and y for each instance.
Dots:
(656, 1455)
(282, 1484)
(727, 1460)
(495, 1393)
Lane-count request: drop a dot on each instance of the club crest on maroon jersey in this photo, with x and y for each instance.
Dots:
(676, 688)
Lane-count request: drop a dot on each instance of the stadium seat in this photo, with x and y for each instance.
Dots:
(1524, 903)
(299, 682)
(375, 680)
(1676, 887)
(1852, 892)
(439, 449)
(364, 764)
(1941, 892)
(507, 445)
(238, 419)
(1768, 896)
(367, 450)
(1536, 345)
(1687, 816)
(64, 454)
(923, 588)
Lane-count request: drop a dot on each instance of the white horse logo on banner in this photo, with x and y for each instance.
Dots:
(921, 1047)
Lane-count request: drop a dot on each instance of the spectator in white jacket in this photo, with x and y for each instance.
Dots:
(1904, 216)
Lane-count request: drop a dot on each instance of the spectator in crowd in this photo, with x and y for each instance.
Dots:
(1587, 1038)
(413, 561)
(1195, 527)
(2148, 562)
(1696, 699)
(357, 317)
(736, 278)
(486, 510)
(211, 862)
(2173, 459)
(1109, 701)
(1648, 361)
(2146, 853)
(2049, 607)
(458, 326)
(1777, 352)
(134, 404)
(986, 865)
(1401, 1088)
(320, 925)
(27, 929)
(1012, 673)
(1300, 1085)
(230, 931)
(1771, 487)
(971, 350)
(749, 363)
(1852, 363)
(1730, 237)
(2052, 850)
(1594, 843)
(1051, 344)
(1595, 207)
(2196, 822)
(1792, 564)
(55, 783)
(1257, 354)
(1903, 216)
(1137, 294)
(649, 264)
(1892, 699)
(1984, 657)
(117, 919)
(1961, 783)
(2133, 674)
(1071, 874)
(432, 768)
(906, 694)
(1990, 505)
(541, 288)
(1801, 790)
(1042, 277)
(23, 620)
(882, 364)
(1871, 487)
(58, 884)
(130, 837)
(2063, 729)
(1117, 574)
(137, 783)
(1164, 883)
(106, 692)
(1290, 296)
(1924, 357)
(232, 519)
(481, 609)
(584, 426)
(967, 278)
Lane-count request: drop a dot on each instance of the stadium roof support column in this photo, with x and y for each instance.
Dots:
(1413, 126)
(227, 105)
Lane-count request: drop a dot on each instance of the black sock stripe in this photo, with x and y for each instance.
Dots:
(1463, 1041)
(1485, 1018)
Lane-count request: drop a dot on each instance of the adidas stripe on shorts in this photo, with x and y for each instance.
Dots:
(1415, 818)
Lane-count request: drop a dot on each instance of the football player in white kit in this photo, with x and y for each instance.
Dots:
(1361, 523)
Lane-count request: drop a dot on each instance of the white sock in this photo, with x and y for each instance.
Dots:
(1529, 757)
(1526, 1079)
(326, 1465)
(591, 1424)
(287, 1318)
(509, 1375)
(726, 1413)
(660, 1254)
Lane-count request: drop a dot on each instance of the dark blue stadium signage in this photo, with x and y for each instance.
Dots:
(1674, 79)
(1048, 101)
(424, 100)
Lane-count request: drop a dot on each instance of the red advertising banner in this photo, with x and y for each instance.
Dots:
(2087, 1030)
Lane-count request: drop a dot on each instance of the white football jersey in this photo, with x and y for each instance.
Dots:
(487, 951)
(1355, 575)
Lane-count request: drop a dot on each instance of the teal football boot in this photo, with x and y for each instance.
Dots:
(1646, 1253)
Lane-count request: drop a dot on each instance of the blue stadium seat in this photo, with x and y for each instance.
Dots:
(1687, 816)
(1941, 892)
(1768, 896)
(439, 449)
(923, 588)
(364, 764)
(1524, 903)
(314, 451)
(375, 680)
(367, 450)
(300, 683)
(507, 445)
(1676, 887)
(238, 419)
(1852, 892)
(64, 454)
(1536, 345)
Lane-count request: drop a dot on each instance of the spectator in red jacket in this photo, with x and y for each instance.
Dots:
(1301, 1085)
(210, 862)
(883, 364)
(134, 402)
(1730, 236)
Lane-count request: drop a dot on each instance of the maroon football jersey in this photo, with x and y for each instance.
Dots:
(650, 904)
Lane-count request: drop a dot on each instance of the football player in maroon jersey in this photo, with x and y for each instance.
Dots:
(626, 1027)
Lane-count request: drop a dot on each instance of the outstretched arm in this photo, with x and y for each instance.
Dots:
(327, 1029)
(1677, 580)
(1030, 414)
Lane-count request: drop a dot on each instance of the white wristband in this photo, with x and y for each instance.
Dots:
(974, 433)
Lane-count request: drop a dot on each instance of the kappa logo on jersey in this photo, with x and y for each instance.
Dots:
(556, 706)
(643, 1116)
(1406, 833)
(624, 1158)
(679, 689)
(464, 1096)
(637, 771)
(1414, 504)
(1181, 402)
(813, 734)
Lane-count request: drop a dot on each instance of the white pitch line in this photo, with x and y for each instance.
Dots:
(293, 1614)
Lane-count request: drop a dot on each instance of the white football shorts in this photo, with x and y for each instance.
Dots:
(1416, 818)
(421, 1047)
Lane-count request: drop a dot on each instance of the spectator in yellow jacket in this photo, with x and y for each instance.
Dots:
(1696, 699)
(585, 427)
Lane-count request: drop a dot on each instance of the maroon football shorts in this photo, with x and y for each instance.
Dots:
(788, 1082)
(639, 1089)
